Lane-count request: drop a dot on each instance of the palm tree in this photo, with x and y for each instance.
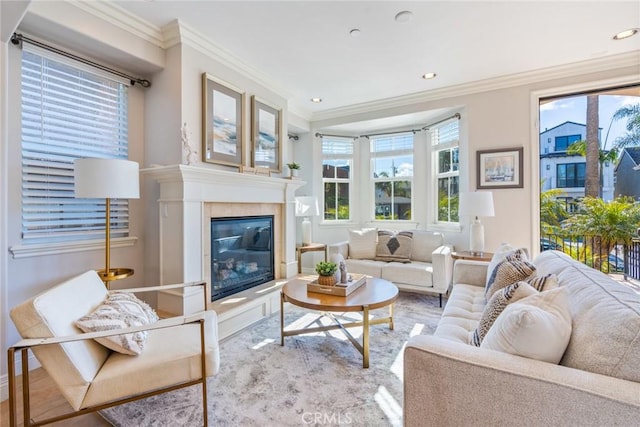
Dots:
(552, 211)
(606, 223)
(592, 181)
(632, 114)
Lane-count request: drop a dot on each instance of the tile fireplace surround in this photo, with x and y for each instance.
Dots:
(189, 197)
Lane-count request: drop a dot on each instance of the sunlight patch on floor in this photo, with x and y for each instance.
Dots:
(397, 367)
(416, 330)
(264, 342)
(389, 406)
(312, 320)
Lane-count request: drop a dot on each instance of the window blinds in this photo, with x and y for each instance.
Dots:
(445, 133)
(337, 147)
(393, 142)
(68, 113)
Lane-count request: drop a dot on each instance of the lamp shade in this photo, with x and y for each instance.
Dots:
(477, 203)
(307, 206)
(106, 178)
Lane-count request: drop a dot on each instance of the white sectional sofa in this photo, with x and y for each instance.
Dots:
(448, 382)
(429, 267)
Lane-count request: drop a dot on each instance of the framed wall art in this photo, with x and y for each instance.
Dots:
(266, 135)
(222, 122)
(501, 168)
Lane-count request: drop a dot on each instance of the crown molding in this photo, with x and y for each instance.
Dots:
(606, 63)
(124, 19)
(178, 32)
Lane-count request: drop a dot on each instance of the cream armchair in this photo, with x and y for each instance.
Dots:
(179, 352)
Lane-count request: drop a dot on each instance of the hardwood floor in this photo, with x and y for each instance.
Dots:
(47, 401)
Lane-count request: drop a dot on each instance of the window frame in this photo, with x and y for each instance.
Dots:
(391, 154)
(436, 148)
(50, 243)
(349, 158)
(576, 175)
(572, 137)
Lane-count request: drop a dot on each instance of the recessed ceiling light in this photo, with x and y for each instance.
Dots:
(404, 16)
(316, 100)
(626, 34)
(355, 32)
(429, 76)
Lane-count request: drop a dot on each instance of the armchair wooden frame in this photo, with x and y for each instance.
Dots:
(24, 345)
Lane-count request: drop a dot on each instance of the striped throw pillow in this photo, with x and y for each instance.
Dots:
(509, 271)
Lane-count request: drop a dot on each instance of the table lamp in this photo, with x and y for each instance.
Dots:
(306, 206)
(477, 204)
(108, 179)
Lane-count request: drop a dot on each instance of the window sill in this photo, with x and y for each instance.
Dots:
(338, 223)
(42, 249)
(451, 228)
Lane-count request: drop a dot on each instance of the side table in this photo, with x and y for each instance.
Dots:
(473, 256)
(310, 247)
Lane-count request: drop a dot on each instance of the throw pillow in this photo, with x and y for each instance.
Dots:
(496, 305)
(544, 283)
(498, 256)
(394, 246)
(120, 310)
(537, 327)
(362, 243)
(520, 254)
(509, 271)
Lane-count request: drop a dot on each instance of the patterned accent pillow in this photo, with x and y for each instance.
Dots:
(498, 258)
(120, 310)
(394, 246)
(511, 270)
(362, 243)
(496, 305)
(544, 283)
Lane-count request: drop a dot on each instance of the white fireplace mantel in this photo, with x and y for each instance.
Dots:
(213, 185)
(184, 190)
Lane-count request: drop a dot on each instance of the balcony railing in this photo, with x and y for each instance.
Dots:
(621, 259)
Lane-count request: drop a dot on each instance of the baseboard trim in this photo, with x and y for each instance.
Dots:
(4, 379)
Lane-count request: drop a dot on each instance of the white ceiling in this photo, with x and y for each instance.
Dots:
(306, 47)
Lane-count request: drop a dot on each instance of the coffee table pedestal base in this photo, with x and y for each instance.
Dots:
(365, 324)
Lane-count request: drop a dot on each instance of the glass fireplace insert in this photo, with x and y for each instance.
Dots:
(241, 254)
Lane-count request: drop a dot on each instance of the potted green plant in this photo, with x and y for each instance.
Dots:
(326, 273)
(294, 168)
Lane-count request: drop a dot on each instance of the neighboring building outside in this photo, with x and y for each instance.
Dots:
(627, 181)
(567, 172)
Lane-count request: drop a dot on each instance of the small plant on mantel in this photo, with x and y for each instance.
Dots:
(327, 273)
(294, 169)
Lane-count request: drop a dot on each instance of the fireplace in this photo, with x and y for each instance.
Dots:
(242, 253)
(189, 196)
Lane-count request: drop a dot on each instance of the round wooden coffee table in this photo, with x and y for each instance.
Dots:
(376, 293)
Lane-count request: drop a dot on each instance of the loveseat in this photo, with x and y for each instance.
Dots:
(450, 382)
(415, 260)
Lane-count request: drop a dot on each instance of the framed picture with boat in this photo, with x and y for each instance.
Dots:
(500, 168)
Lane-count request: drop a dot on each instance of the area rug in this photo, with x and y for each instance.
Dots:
(315, 379)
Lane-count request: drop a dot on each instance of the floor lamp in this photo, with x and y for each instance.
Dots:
(476, 204)
(306, 206)
(107, 179)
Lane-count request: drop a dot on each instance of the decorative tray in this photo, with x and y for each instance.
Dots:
(339, 289)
